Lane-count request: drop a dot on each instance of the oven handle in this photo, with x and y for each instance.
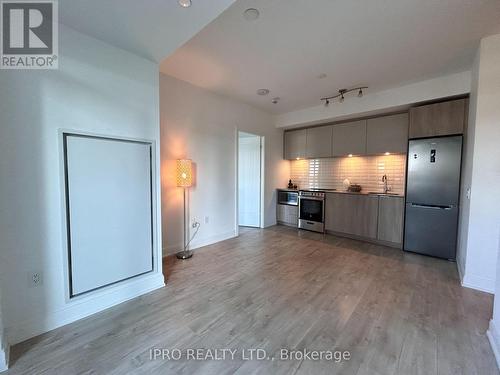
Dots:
(311, 198)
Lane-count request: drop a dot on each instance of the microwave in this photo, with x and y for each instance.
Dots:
(290, 198)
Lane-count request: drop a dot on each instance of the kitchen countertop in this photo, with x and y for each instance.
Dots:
(366, 193)
(350, 192)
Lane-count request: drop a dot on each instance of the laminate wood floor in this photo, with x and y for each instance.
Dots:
(396, 313)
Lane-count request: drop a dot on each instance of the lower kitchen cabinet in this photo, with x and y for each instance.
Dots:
(286, 214)
(352, 214)
(390, 219)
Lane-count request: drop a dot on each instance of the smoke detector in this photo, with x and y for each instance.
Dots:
(251, 14)
(263, 92)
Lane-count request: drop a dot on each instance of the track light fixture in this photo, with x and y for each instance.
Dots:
(341, 93)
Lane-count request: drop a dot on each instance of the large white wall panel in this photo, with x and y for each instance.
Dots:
(108, 195)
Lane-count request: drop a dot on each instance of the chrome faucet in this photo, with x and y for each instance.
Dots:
(384, 180)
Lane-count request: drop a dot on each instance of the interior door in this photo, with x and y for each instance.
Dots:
(249, 180)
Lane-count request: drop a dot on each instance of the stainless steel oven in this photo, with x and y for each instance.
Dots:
(288, 197)
(312, 210)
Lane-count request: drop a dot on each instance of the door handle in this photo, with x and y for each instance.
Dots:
(432, 207)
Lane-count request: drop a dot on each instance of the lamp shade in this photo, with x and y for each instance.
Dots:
(184, 173)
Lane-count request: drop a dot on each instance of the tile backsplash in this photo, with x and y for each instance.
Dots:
(366, 171)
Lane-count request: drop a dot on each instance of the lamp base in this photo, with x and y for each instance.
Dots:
(186, 254)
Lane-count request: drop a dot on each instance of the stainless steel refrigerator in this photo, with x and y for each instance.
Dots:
(432, 196)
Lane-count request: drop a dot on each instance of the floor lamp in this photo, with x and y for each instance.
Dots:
(185, 181)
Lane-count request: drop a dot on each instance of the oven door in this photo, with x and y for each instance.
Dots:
(311, 209)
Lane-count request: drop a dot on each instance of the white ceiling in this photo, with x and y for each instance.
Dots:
(149, 28)
(381, 44)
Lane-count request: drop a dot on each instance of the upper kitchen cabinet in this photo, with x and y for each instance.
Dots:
(437, 119)
(387, 134)
(319, 142)
(349, 138)
(295, 144)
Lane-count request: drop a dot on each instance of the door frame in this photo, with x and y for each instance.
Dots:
(262, 178)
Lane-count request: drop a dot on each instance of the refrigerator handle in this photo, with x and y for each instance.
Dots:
(432, 207)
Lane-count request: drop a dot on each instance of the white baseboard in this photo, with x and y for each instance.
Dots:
(81, 308)
(480, 283)
(4, 357)
(209, 240)
(494, 338)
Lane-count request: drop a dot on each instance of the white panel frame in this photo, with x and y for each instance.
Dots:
(156, 231)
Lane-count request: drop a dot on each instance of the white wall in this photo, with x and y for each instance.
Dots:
(372, 103)
(483, 230)
(466, 178)
(202, 126)
(98, 89)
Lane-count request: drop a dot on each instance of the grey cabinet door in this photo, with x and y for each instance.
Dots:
(287, 214)
(280, 213)
(349, 138)
(352, 214)
(366, 216)
(446, 118)
(334, 208)
(295, 144)
(390, 219)
(319, 142)
(387, 134)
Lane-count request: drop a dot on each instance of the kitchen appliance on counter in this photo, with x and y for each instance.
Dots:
(312, 209)
(288, 197)
(432, 196)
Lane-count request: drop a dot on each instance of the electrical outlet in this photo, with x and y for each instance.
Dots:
(195, 224)
(207, 219)
(35, 279)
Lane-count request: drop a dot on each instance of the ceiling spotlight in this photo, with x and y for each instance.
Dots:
(341, 93)
(263, 92)
(275, 100)
(251, 14)
(184, 3)
(327, 103)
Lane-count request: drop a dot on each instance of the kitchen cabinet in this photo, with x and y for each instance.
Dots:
(286, 214)
(387, 134)
(445, 118)
(319, 142)
(349, 138)
(354, 214)
(295, 144)
(390, 219)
